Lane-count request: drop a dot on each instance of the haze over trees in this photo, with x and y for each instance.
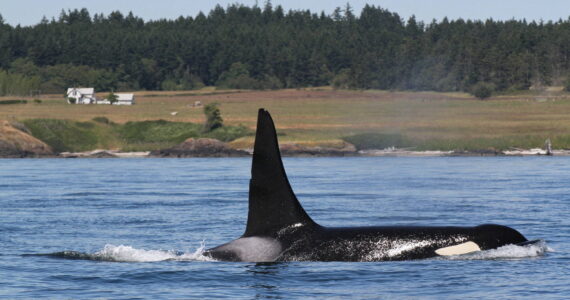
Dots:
(267, 47)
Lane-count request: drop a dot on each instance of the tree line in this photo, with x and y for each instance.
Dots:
(267, 48)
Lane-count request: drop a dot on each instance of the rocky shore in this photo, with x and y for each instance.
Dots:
(203, 147)
(287, 152)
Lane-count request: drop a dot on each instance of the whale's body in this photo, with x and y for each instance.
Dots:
(279, 229)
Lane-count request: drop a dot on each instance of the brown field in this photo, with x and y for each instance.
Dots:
(323, 115)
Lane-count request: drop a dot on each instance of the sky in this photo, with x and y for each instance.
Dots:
(30, 12)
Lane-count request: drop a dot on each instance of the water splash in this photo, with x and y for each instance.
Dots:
(507, 252)
(122, 253)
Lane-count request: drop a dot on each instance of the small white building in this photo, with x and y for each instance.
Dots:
(122, 99)
(125, 99)
(81, 95)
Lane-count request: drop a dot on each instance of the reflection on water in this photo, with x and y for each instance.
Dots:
(265, 277)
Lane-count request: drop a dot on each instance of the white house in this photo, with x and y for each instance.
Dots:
(122, 99)
(87, 96)
(81, 95)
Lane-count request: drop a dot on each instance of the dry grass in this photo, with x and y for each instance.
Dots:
(323, 115)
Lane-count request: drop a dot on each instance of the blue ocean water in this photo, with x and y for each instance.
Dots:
(136, 228)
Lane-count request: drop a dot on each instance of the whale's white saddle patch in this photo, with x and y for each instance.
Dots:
(254, 249)
(463, 248)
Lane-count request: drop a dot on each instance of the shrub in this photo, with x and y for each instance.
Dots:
(102, 120)
(213, 117)
(85, 125)
(483, 90)
(13, 101)
(37, 101)
(112, 98)
(229, 133)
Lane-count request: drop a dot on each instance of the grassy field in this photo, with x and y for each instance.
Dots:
(424, 120)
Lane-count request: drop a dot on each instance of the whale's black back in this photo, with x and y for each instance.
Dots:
(272, 203)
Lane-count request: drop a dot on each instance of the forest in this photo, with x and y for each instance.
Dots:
(265, 47)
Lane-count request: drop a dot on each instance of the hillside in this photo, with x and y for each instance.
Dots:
(326, 117)
(17, 143)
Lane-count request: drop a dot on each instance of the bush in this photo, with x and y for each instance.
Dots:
(483, 90)
(213, 117)
(102, 120)
(13, 101)
(112, 98)
(85, 125)
(37, 101)
(229, 133)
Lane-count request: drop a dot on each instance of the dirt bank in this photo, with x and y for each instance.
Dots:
(15, 141)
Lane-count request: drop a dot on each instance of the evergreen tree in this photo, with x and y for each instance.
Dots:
(298, 48)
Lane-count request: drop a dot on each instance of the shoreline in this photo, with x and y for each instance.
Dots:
(102, 153)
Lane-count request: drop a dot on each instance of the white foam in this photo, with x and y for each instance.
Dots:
(122, 253)
(507, 252)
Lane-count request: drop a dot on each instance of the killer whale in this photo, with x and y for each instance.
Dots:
(279, 229)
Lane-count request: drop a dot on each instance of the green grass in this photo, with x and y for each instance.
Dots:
(63, 135)
(154, 135)
(74, 136)
(159, 131)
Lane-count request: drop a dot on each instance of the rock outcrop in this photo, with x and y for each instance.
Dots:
(202, 147)
(16, 142)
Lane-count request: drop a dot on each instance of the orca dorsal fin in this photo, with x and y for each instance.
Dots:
(272, 202)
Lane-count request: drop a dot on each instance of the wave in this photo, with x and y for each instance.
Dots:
(507, 252)
(122, 253)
